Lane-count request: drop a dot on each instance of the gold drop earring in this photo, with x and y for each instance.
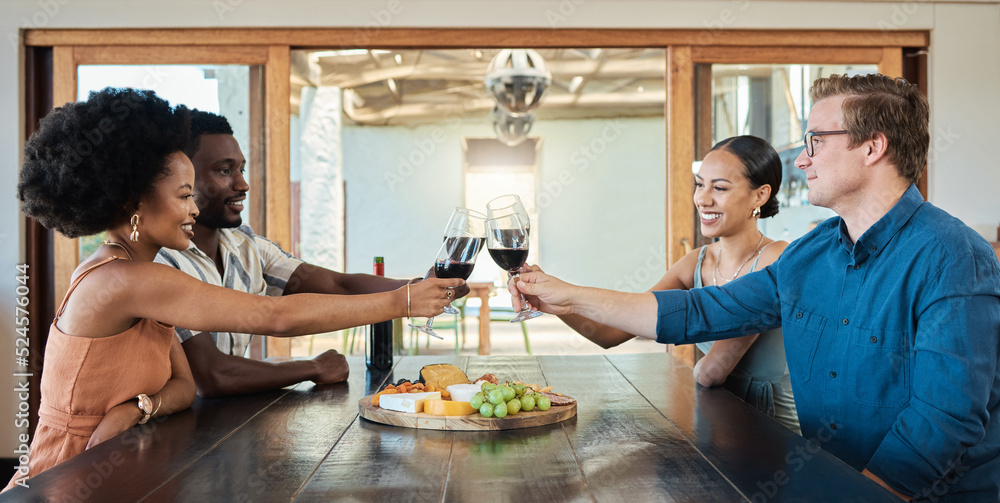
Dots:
(134, 237)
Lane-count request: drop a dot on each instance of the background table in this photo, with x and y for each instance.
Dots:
(643, 432)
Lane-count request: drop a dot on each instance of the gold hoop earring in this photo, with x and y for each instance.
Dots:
(134, 237)
(755, 213)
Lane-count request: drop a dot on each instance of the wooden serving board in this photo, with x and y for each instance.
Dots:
(472, 422)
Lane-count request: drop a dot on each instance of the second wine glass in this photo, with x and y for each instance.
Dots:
(507, 241)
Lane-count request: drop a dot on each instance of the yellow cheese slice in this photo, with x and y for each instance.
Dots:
(447, 408)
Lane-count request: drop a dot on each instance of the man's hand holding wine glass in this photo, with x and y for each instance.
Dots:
(542, 292)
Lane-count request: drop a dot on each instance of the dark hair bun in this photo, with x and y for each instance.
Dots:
(90, 162)
(761, 166)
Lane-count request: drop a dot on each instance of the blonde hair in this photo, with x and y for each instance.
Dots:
(879, 104)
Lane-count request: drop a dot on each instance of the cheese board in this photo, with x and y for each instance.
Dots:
(472, 422)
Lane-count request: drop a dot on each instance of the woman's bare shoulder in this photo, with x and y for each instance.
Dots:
(771, 252)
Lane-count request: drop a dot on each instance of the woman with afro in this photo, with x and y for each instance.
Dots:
(115, 163)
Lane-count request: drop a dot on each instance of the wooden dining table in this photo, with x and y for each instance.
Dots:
(643, 432)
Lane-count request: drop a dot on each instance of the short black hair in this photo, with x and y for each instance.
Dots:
(761, 166)
(90, 162)
(205, 123)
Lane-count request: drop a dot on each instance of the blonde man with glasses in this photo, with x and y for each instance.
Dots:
(890, 310)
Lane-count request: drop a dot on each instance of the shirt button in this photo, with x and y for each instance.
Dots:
(873, 248)
(798, 315)
(833, 426)
(833, 373)
(844, 321)
(857, 266)
(874, 339)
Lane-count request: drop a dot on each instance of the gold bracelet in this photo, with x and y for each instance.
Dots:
(158, 404)
(407, 300)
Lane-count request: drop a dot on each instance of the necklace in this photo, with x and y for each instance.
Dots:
(738, 269)
(112, 243)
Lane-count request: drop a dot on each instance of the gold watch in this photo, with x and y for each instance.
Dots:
(146, 406)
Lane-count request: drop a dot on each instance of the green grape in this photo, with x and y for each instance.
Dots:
(477, 401)
(543, 403)
(514, 406)
(519, 390)
(500, 410)
(508, 393)
(488, 386)
(528, 403)
(486, 410)
(496, 397)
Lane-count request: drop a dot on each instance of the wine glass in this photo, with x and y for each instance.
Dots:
(509, 203)
(464, 237)
(507, 241)
(464, 224)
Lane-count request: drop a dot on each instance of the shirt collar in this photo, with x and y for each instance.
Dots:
(224, 237)
(878, 235)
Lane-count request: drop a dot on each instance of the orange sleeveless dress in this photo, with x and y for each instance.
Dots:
(85, 377)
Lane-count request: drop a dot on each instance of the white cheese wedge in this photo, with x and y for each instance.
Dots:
(463, 392)
(407, 402)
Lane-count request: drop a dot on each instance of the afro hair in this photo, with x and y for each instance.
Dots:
(90, 162)
(205, 123)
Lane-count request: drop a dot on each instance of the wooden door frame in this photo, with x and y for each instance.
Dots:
(683, 49)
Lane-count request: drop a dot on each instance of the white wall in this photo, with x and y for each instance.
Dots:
(963, 74)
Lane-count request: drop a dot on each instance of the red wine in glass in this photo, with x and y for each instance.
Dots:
(509, 259)
(453, 269)
(507, 241)
(463, 238)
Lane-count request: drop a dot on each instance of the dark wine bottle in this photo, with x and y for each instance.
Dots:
(378, 353)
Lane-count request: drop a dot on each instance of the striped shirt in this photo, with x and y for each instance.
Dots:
(251, 264)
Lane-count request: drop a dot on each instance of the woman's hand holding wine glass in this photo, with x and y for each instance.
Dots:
(428, 298)
(463, 238)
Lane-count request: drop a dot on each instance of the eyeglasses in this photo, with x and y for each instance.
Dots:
(808, 139)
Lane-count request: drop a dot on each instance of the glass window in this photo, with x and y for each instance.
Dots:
(221, 89)
(772, 102)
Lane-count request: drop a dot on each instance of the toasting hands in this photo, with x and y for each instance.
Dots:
(542, 292)
(460, 291)
(429, 297)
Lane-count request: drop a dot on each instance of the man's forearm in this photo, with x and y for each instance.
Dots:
(634, 313)
(217, 374)
(369, 283)
(309, 278)
(238, 376)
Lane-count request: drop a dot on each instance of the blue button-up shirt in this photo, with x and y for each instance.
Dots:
(892, 344)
